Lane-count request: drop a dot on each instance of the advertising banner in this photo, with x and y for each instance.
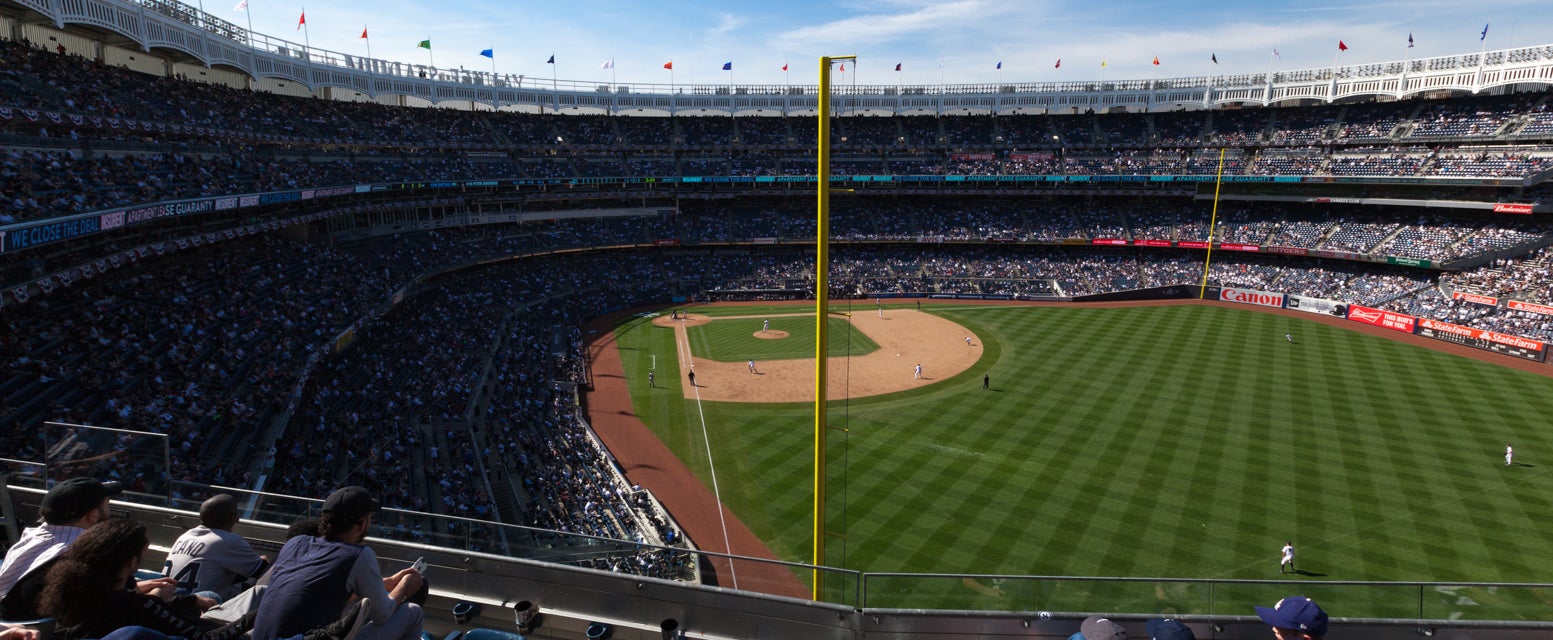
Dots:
(1227, 246)
(1531, 307)
(1486, 340)
(1512, 207)
(1249, 296)
(1151, 243)
(1314, 305)
(1394, 321)
(1109, 241)
(1475, 298)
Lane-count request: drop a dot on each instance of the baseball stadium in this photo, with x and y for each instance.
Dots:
(802, 360)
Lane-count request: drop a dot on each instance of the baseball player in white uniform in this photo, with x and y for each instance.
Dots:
(1509, 455)
(752, 366)
(765, 326)
(918, 375)
(1288, 557)
(210, 558)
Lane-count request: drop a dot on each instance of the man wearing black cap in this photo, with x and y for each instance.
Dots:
(68, 510)
(315, 576)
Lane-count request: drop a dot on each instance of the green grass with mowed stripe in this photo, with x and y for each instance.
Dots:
(1174, 442)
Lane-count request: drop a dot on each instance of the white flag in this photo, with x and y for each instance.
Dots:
(242, 5)
(608, 64)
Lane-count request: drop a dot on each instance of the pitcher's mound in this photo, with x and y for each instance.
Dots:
(771, 334)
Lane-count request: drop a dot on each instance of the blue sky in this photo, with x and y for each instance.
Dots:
(966, 38)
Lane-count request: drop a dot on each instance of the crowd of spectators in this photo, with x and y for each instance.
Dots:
(119, 138)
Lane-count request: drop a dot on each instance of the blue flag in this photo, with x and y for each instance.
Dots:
(728, 66)
(489, 54)
(551, 60)
(1000, 64)
(1484, 35)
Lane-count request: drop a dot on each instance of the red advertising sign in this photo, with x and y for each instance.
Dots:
(1029, 156)
(1475, 299)
(1395, 321)
(1293, 251)
(1531, 307)
(1192, 245)
(1248, 296)
(970, 156)
(1151, 243)
(666, 242)
(1109, 241)
(1486, 340)
(1512, 207)
(1239, 247)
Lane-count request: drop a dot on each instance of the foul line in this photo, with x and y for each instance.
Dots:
(682, 346)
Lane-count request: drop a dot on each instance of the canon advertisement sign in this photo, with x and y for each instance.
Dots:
(1248, 296)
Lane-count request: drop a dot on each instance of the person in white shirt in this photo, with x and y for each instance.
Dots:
(68, 510)
(1288, 557)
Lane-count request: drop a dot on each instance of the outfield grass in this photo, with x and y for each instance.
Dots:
(1182, 442)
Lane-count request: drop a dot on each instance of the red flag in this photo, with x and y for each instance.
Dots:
(843, 67)
(897, 66)
(302, 21)
(363, 33)
(1341, 46)
(1059, 64)
(784, 66)
(1156, 61)
(669, 65)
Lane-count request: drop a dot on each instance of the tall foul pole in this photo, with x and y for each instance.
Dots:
(822, 304)
(1213, 223)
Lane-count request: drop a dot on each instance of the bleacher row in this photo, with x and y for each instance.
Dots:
(79, 136)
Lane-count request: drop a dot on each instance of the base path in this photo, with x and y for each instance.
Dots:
(648, 462)
(906, 338)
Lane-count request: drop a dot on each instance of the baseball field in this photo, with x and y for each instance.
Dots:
(1144, 441)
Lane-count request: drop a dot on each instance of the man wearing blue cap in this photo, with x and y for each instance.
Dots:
(1295, 618)
(1168, 629)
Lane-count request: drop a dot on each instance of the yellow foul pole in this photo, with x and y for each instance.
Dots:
(821, 308)
(1213, 223)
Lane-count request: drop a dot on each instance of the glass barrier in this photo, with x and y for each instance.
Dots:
(676, 562)
(138, 459)
(1147, 596)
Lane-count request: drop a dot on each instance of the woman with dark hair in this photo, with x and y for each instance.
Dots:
(91, 590)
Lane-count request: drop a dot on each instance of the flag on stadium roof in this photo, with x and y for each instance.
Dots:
(489, 53)
(425, 44)
(1102, 64)
(1277, 55)
(1058, 65)
(551, 60)
(608, 64)
(1410, 41)
(843, 67)
(1341, 46)
(1484, 35)
(728, 66)
(1156, 61)
(302, 21)
(784, 66)
(897, 66)
(1214, 57)
(363, 32)
(242, 5)
(669, 65)
(1000, 64)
